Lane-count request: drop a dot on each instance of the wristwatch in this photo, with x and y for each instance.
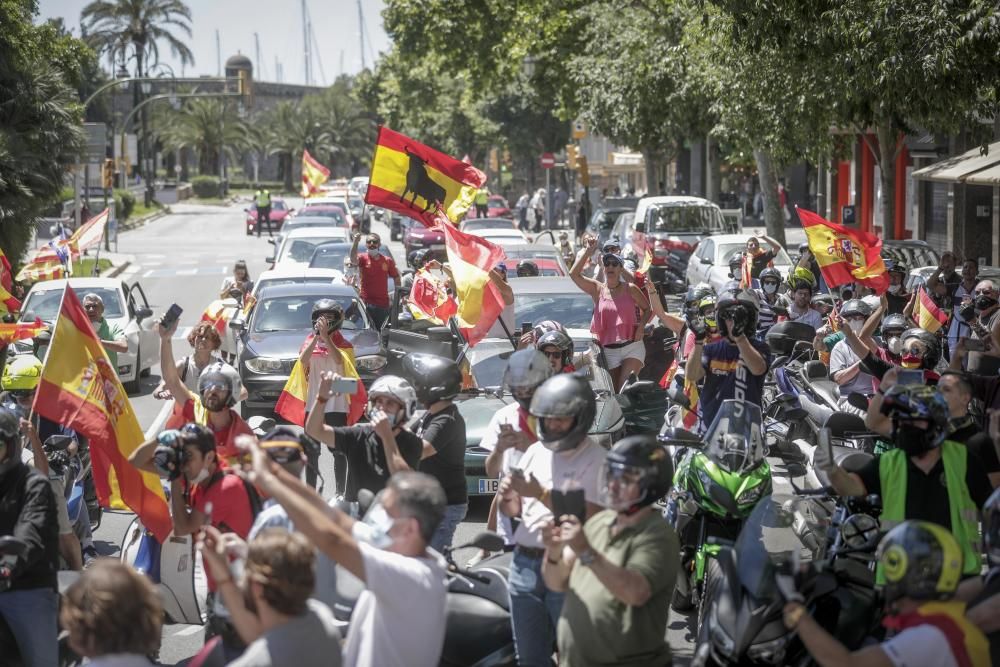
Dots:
(587, 556)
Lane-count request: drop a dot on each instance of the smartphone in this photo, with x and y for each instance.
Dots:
(172, 315)
(516, 472)
(974, 345)
(344, 386)
(525, 327)
(907, 376)
(571, 502)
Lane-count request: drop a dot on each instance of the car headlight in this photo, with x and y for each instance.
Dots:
(264, 365)
(750, 495)
(772, 651)
(370, 363)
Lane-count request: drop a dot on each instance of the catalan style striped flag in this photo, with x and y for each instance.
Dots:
(291, 403)
(416, 180)
(8, 304)
(845, 255)
(479, 301)
(12, 331)
(927, 314)
(314, 175)
(80, 388)
(36, 270)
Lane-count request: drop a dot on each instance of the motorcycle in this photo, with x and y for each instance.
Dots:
(742, 621)
(718, 480)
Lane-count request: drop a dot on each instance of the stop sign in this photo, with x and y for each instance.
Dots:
(548, 160)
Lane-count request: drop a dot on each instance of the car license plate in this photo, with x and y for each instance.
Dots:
(488, 486)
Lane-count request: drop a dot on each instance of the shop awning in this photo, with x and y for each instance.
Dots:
(989, 176)
(960, 168)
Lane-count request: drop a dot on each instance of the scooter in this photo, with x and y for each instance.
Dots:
(718, 481)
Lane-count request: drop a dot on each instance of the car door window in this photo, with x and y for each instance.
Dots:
(708, 251)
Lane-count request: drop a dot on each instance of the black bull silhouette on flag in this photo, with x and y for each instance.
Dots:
(420, 184)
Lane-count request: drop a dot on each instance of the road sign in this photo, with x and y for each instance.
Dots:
(548, 160)
(97, 142)
(579, 129)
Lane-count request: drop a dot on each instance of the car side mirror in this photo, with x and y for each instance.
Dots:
(271, 241)
(639, 227)
(237, 324)
(269, 260)
(706, 260)
(142, 313)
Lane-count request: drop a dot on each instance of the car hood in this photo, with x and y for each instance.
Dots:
(286, 344)
(426, 234)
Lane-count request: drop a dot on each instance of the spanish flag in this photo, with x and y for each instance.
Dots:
(416, 180)
(80, 388)
(291, 403)
(217, 314)
(845, 255)
(8, 304)
(927, 314)
(313, 175)
(471, 259)
(11, 331)
(429, 298)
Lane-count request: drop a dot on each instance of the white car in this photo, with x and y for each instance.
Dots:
(473, 225)
(297, 246)
(709, 263)
(502, 237)
(291, 275)
(124, 305)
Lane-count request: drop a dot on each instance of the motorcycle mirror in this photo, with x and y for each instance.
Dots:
(679, 436)
(13, 546)
(260, 425)
(58, 443)
(874, 500)
(676, 395)
(487, 541)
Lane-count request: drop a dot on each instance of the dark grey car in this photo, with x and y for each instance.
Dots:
(273, 333)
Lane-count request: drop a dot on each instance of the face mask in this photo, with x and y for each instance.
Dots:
(912, 440)
(984, 302)
(375, 527)
(201, 476)
(393, 418)
(967, 312)
(856, 326)
(894, 289)
(372, 252)
(912, 361)
(895, 345)
(769, 288)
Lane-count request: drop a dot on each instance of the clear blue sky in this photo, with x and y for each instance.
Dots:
(279, 25)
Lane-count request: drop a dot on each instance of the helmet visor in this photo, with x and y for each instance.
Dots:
(621, 486)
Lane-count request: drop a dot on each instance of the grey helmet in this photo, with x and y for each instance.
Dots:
(564, 395)
(526, 370)
(397, 389)
(854, 308)
(220, 371)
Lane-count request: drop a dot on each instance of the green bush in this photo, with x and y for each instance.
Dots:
(124, 204)
(250, 185)
(205, 186)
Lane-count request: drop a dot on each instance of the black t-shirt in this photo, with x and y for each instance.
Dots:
(926, 494)
(366, 463)
(991, 587)
(727, 376)
(897, 302)
(445, 430)
(979, 443)
(987, 389)
(760, 262)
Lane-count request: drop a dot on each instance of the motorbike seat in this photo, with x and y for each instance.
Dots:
(815, 370)
(845, 425)
(817, 413)
(850, 459)
(497, 591)
(827, 391)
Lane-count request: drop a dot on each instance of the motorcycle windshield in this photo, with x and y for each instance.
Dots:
(735, 440)
(772, 536)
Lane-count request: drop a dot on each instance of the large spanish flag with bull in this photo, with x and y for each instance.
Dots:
(80, 388)
(845, 255)
(416, 180)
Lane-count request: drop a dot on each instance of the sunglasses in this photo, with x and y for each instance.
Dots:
(915, 351)
(215, 386)
(612, 263)
(553, 354)
(91, 306)
(372, 244)
(22, 393)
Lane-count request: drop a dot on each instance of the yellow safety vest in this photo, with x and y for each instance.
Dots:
(263, 198)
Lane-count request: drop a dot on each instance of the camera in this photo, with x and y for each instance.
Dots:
(170, 455)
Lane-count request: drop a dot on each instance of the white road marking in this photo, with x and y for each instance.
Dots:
(189, 630)
(147, 273)
(186, 272)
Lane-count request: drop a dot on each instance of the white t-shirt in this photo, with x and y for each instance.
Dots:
(320, 362)
(308, 640)
(580, 466)
(400, 618)
(841, 357)
(810, 317)
(508, 414)
(922, 646)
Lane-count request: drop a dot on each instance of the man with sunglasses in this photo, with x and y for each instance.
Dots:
(982, 315)
(375, 270)
(112, 337)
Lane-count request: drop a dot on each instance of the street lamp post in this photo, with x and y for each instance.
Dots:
(147, 161)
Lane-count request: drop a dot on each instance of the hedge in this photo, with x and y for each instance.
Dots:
(205, 186)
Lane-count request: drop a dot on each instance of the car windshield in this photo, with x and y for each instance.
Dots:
(330, 257)
(688, 218)
(328, 218)
(913, 255)
(278, 205)
(573, 311)
(324, 208)
(294, 313)
(45, 304)
(604, 220)
(476, 225)
(355, 203)
(292, 280)
(734, 439)
(542, 252)
(726, 251)
(488, 361)
(301, 249)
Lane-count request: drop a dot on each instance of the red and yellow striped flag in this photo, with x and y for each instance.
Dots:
(80, 388)
(314, 175)
(927, 314)
(291, 403)
(8, 304)
(479, 301)
(11, 331)
(416, 180)
(218, 314)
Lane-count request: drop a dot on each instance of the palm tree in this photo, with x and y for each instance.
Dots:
(209, 127)
(350, 132)
(293, 127)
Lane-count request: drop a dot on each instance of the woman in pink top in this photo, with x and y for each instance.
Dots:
(621, 311)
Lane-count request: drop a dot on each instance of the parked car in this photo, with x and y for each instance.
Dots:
(298, 245)
(417, 236)
(602, 222)
(710, 261)
(502, 237)
(497, 207)
(672, 227)
(272, 334)
(910, 252)
(303, 221)
(279, 213)
(470, 225)
(124, 306)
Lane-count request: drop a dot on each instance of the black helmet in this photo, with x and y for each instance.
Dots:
(894, 322)
(526, 370)
(933, 354)
(897, 267)
(694, 295)
(920, 560)
(434, 378)
(527, 269)
(913, 402)
(647, 463)
(561, 340)
(742, 306)
(10, 435)
(417, 259)
(564, 395)
(770, 273)
(331, 310)
(991, 528)
(735, 266)
(855, 308)
(288, 447)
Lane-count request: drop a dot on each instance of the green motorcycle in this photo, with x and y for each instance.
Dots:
(719, 479)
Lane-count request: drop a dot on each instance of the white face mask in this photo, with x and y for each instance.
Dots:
(769, 288)
(856, 325)
(372, 252)
(393, 417)
(375, 527)
(201, 476)
(895, 345)
(894, 289)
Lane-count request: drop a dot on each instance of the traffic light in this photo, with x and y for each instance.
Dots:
(571, 155)
(584, 171)
(108, 174)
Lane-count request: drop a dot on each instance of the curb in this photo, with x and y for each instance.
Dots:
(139, 222)
(117, 270)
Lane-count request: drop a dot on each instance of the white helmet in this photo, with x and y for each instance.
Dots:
(220, 370)
(397, 389)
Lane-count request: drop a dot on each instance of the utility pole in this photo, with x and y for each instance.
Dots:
(218, 52)
(305, 39)
(256, 45)
(361, 32)
(277, 70)
(341, 62)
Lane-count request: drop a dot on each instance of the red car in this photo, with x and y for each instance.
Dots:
(279, 211)
(419, 237)
(497, 207)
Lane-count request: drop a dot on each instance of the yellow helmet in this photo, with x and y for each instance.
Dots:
(22, 374)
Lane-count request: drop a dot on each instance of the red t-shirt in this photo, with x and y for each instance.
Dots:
(375, 273)
(225, 445)
(230, 507)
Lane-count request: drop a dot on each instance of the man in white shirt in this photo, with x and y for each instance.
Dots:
(801, 308)
(845, 365)
(564, 463)
(401, 577)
